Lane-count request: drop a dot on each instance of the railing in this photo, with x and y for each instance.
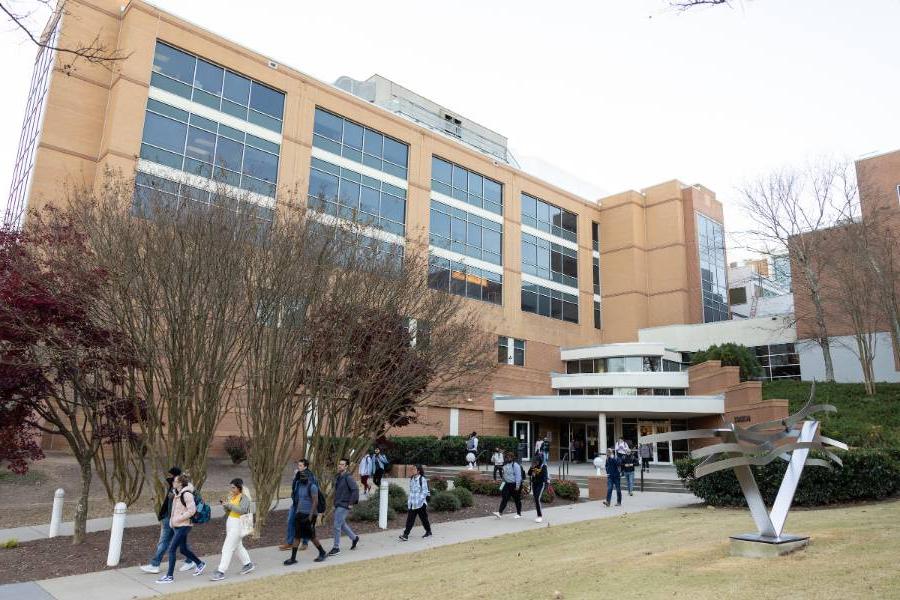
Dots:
(562, 471)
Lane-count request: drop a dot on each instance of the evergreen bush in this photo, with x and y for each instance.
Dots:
(444, 502)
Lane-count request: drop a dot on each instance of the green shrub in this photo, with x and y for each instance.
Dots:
(866, 475)
(236, 447)
(567, 490)
(444, 502)
(548, 495)
(10, 544)
(368, 510)
(449, 450)
(476, 485)
(466, 499)
(412, 450)
(437, 484)
(731, 355)
(453, 447)
(397, 498)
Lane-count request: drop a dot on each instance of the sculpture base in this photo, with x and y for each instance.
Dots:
(753, 545)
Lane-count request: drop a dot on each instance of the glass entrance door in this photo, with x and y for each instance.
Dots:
(522, 432)
(592, 441)
(661, 452)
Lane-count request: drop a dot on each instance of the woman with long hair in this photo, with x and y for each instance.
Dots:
(183, 508)
(235, 505)
(540, 478)
(417, 504)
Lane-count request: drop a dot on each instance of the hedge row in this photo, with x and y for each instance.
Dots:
(866, 475)
(564, 489)
(448, 450)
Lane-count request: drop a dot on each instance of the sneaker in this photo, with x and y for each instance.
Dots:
(404, 538)
(427, 534)
(290, 561)
(217, 576)
(355, 542)
(517, 517)
(539, 520)
(187, 566)
(320, 557)
(630, 494)
(605, 503)
(200, 568)
(284, 547)
(165, 579)
(150, 569)
(496, 514)
(334, 552)
(247, 568)
(618, 504)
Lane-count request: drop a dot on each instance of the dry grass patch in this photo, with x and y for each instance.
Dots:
(674, 553)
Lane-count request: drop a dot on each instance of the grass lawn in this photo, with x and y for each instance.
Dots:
(674, 553)
(862, 421)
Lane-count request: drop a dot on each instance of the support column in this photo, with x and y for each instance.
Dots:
(602, 442)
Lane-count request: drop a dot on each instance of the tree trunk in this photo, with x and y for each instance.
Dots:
(81, 509)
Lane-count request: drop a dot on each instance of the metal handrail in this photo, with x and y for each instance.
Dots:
(562, 471)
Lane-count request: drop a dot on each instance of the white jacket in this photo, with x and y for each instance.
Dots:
(365, 465)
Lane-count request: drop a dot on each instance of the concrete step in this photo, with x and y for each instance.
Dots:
(651, 484)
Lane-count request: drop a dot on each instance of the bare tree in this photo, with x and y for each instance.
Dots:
(23, 14)
(788, 208)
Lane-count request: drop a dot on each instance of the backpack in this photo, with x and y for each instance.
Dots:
(203, 512)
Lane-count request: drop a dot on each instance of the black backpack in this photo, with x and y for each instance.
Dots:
(321, 505)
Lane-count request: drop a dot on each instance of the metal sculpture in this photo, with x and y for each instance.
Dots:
(760, 444)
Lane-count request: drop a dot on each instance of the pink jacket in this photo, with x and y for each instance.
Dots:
(182, 512)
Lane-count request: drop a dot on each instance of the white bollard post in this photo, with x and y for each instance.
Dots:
(116, 534)
(56, 515)
(383, 505)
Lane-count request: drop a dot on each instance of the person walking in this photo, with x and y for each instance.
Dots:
(537, 447)
(366, 468)
(613, 475)
(165, 530)
(511, 486)
(540, 478)
(472, 450)
(379, 465)
(290, 529)
(183, 508)
(646, 454)
(417, 504)
(628, 462)
(622, 448)
(546, 448)
(305, 499)
(497, 460)
(237, 504)
(346, 494)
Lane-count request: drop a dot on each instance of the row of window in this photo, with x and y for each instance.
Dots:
(713, 283)
(548, 302)
(465, 185)
(778, 361)
(359, 143)
(153, 194)
(350, 195)
(203, 82)
(467, 233)
(550, 261)
(621, 392)
(547, 217)
(203, 147)
(622, 364)
(510, 351)
(463, 280)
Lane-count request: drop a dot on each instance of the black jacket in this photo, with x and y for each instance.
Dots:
(346, 492)
(166, 509)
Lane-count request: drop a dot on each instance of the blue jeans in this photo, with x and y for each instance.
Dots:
(165, 537)
(340, 524)
(613, 482)
(179, 542)
(291, 528)
(629, 480)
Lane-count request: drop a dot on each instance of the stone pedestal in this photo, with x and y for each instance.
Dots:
(596, 487)
(753, 545)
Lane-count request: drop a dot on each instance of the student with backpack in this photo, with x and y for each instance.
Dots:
(346, 494)
(472, 450)
(236, 505)
(187, 509)
(498, 460)
(380, 464)
(417, 503)
(165, 530)
(511, 486)
(613, 477)
(540, 479)
(308, 503)
(366, 467)
(628, 462)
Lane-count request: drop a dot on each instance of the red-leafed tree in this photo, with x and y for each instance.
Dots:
(62, 368)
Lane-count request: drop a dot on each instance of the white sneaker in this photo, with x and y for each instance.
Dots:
(496, 514)
(187, 566)
(149, 569)
(539, 520)
(517, 517)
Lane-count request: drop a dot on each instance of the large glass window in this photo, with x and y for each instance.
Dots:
(547, 217)
(595, 272)
(466, 233)
(713, 283)
(548, 302)
(510, 351)
(153, 194)
(350, 195)
(464, 280)
(465, 185)
(196, 79)
(550, 261)
(778, 361)
(200, 146)
(598, 320)
(356, 142)
(595, 236)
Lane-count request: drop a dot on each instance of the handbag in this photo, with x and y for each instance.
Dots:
(246, 521)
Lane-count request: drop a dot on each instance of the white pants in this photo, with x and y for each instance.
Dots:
(233, 541)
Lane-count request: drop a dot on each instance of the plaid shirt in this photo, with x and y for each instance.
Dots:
(418, 492)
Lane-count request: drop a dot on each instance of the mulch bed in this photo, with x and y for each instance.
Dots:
(46, 559)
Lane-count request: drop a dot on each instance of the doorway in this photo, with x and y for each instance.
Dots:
(522, 431)
(580, 441)
(660, 452)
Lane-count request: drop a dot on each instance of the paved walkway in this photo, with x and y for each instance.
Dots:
(131, 583)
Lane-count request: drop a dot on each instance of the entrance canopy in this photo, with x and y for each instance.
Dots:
(626, 406)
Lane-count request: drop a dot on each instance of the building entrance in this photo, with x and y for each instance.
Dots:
(579, 441)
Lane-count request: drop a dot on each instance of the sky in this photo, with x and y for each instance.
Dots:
(608, 94)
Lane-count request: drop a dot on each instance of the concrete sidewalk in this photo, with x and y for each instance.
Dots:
(131, 583)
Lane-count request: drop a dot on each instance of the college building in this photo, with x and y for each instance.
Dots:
(565, 283)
